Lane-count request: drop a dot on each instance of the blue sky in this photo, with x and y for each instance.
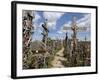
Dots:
(58, 20)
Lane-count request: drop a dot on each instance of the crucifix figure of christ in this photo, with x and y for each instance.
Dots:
(74, 41)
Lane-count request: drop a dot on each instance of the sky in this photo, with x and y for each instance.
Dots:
(56, 21)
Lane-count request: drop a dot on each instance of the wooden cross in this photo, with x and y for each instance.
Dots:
(74, 43)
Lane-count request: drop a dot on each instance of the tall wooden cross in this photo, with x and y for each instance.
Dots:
(74, 43)
(44, 40)
(45, 33)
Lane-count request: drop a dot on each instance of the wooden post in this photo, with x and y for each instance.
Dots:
(44, 40)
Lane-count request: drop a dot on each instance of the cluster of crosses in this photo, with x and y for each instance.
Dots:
(73, 54)
(27, 34)
(28, 31)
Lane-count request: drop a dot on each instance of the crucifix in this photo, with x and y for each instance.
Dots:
(74, 28)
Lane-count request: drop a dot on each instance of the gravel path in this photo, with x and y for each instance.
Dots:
(58, 58)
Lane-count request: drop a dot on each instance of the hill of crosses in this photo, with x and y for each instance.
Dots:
(55, 39)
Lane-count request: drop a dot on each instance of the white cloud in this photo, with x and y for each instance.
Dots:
(60, 32)
(66, 28)
(52, 18)
(35, 20)
(85, 21)
(68, 24)
(36, 24)
(37, 17)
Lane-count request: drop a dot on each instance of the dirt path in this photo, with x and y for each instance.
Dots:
(58, 58)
